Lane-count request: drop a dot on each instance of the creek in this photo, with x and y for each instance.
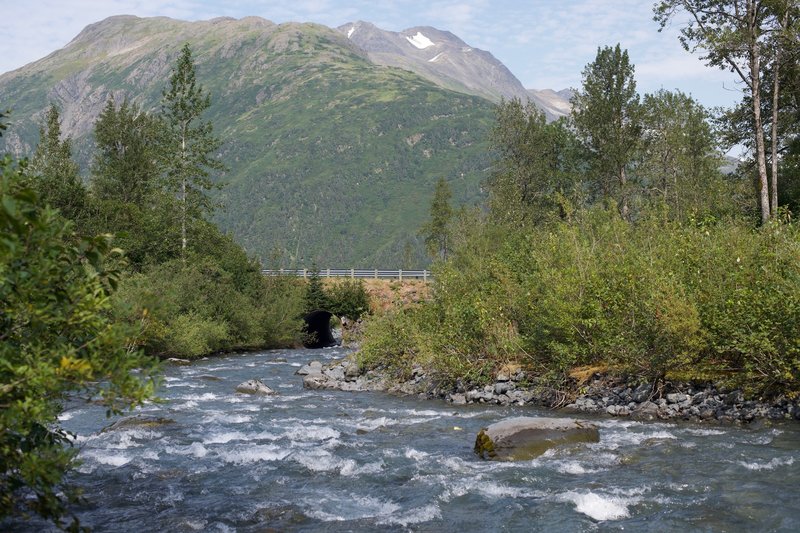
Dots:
(335, 461)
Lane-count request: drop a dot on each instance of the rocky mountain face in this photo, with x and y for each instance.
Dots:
(331, 157)
(446, 60)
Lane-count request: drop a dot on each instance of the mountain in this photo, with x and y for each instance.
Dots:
(443, 58)
(332, 155)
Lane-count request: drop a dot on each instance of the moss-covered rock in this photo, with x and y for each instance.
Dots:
(523, 438)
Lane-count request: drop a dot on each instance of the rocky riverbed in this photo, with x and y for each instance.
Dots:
(601, 395)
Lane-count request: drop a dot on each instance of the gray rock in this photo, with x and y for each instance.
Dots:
(642, 393)
(618, 410)
(314, 367)
(734, 398)
(138, 421)
(178, 362)
(315, 381)
(351, 370)
(458, 399)
(254, 386)
(502, 387)
(503, 377)
(645, 411)
(523, 438)
(678, 397)
(336, 373)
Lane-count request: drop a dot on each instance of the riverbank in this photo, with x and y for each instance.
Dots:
(600, 393)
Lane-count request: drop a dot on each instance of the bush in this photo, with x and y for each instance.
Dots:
(656, 299)
(57, 342)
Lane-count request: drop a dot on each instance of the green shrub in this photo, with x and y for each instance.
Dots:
(656, 299)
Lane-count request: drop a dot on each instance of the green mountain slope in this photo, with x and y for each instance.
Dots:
(331, 158)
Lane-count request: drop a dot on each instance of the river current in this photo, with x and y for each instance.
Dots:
(336, 461)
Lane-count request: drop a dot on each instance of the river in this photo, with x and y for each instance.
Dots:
(336, 461)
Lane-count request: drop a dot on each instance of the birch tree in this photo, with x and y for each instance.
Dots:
(189, 144)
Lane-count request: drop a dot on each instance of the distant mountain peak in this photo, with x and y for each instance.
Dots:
(445, 59)
(419, 41)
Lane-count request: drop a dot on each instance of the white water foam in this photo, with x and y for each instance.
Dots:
(598, 507)
(225, 437)
(771, 465)
(195, 449)
(349, 507)
(318, 460)
(416, 455)
(413, 516)
(109, 459)
(253, 454)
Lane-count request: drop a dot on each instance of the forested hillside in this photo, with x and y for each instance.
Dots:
(329, 156)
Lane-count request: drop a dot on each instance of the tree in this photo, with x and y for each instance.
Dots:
(127, 193)
(536, 164)
(56, 176)
(745, 37)
(125, 166)
(189, 143)
(437, 231)
(56, 343)
(315, 296)
(680, 162)
(606, 117)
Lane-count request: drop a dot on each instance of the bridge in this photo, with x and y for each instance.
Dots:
(362, 273)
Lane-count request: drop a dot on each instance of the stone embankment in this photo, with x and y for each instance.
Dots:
(601, 394)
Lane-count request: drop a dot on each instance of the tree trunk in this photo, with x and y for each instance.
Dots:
(183, 197)
(763, 185)
(775, 105)
(623, 180)
(773, 205)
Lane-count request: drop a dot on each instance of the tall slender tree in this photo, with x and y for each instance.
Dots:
(606, 116)
(56, 176)
(189, 144)
(437, 231)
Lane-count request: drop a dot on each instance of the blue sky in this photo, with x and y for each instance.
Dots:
(545, 43)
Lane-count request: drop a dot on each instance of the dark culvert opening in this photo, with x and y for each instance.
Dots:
(318, 330)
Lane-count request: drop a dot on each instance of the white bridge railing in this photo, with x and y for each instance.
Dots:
(364, 273)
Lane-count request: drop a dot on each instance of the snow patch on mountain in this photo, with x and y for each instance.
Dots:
(350, 31)
(437, 56)
(420, 41)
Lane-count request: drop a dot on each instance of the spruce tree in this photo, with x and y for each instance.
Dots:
(56, 177)
(189, 143)
(437, 232)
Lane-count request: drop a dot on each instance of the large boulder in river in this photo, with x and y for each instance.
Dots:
(522, 438)
(138, 421)
(254, 386)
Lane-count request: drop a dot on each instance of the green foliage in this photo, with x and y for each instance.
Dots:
(656, 299)
(57, 343)
(606, 115)
(315, 296)
(348, 298)
(125, 168)
(55, 174)
(315, 136)
(188, 144)
(679, 166)
(537, 165)
(437, 230)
